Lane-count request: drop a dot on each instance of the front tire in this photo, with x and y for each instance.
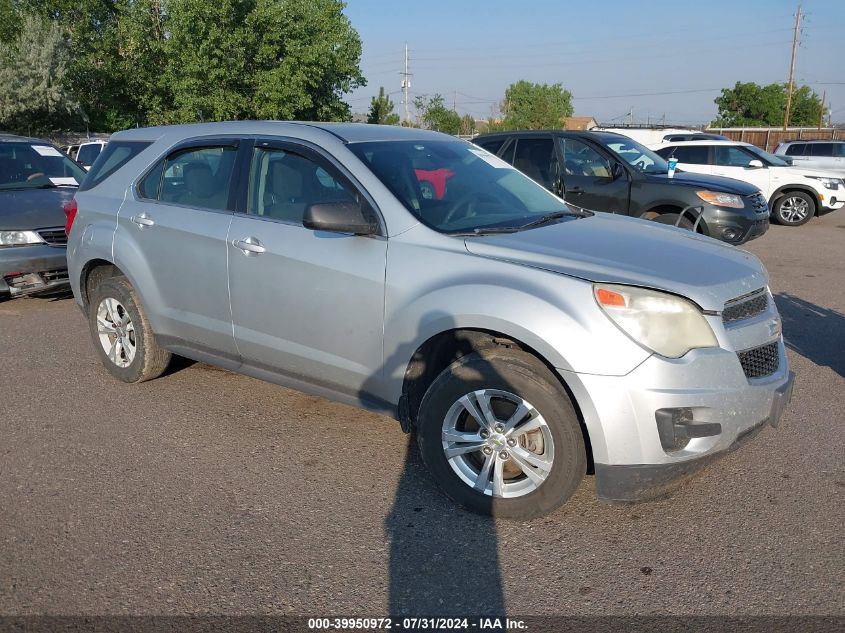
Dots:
(673, 220)
(794, 208)
(122, 335)
(500, 435)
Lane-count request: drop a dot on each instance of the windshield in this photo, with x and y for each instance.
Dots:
(639, 156)
(36, 166)
(768, 159)
(453, 186)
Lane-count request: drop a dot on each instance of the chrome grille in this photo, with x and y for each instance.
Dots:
(760, 361)
(54, 237)
(746, 307)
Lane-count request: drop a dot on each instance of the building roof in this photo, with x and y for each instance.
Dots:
(579, 122)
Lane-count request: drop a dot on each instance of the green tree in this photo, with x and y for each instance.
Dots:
(749, 104)
(206, 61)
(434, 115)
(382, 110)
(530, 106)
(33, 68)
(306, 56)
(9, 21)
(467, 125)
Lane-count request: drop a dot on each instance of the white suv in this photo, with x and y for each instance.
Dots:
(795, 194)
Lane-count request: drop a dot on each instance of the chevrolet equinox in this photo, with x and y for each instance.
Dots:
(525, 343)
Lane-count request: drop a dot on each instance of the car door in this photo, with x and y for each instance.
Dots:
(827, 156)
(306, 304)
(734, 161)
(535, 156)
(177, 222)
(588, 179)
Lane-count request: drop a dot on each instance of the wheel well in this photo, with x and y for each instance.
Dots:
(93, 273)
(669, 208)
(443, 349)
(780, 193)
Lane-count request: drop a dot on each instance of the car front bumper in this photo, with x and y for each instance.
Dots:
(832, 200)
(723, 408)
(30, 269)
(735, 226)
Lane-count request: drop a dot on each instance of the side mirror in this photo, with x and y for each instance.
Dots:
(617, 171)
(340, 217)
(755, 164)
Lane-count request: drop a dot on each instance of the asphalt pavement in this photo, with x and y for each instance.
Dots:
(208, 492)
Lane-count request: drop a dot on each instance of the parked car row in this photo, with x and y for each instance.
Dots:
(795, 193)
(421, 276)
(605, 171)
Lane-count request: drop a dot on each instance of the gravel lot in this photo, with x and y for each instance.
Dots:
(208, 492)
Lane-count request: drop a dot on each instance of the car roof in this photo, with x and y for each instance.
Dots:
(812, 140)
(13, 138)
(347, 132)
(572, 133)
(705, 141)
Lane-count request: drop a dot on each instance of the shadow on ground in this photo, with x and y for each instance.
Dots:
(814, 332)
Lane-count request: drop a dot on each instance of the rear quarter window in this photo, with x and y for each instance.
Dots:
(113, 157)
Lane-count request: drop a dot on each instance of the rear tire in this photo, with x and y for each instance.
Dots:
(794, 208)
(121, 333)
(496, 475)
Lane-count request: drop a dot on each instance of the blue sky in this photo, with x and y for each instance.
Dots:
(604, 52)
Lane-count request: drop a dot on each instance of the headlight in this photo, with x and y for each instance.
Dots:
(829, 183)
(658, 321)
(19, 238)
(721, 199)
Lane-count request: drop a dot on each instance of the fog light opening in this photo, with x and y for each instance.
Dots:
(676, 427)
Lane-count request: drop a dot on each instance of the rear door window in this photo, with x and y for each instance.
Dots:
(796, 149)
(536, 158)
(690, 154)
(199, 177)
(493, 146)
(821, 149)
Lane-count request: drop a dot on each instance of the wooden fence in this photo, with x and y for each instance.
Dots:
(768, 138)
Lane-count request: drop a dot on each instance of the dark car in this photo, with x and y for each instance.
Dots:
(604, 171)
(36, 179)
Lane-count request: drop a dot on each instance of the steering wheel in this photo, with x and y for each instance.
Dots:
(465, 203)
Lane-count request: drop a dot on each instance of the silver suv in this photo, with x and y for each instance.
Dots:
(829, 155)
(417, 275)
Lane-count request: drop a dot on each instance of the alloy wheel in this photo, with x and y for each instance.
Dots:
(498, 443)
(794, 209)
(116, 332)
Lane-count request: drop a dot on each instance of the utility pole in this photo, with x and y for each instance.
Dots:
(792, 68)
(821, 110)
(406, 84)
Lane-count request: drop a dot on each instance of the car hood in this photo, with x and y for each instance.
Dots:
(33, 208)
(614, 249)
(704, 181)
(795, 170)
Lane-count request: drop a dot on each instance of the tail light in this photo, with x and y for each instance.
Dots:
(70, 209)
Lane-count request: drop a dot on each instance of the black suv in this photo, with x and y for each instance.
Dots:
(605, 171)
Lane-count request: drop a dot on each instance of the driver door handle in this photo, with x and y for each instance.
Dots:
(249, 245)
(142, 220)
(575, 190)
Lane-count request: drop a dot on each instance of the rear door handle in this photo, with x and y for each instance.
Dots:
(249, 245)
(142, 220)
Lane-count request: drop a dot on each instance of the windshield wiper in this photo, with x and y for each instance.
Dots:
(543, 219)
